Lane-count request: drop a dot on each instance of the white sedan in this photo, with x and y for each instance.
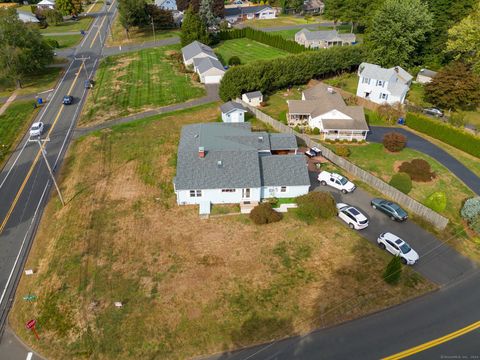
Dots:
(397, 247)
(352, 216)
(36, 129)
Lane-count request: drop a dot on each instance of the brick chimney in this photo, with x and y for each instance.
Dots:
(201, 152)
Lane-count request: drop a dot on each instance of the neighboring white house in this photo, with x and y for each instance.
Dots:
(27, 17)
(424, 76)
(166, 4)
(242, 13)
(196, 50)
(323, 108)
(222, 163)
(254, 98)
(209, 70)
(323, 39)
(46, 4)
(233, 112)
(381, 85)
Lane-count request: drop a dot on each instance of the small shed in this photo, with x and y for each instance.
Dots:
(425, 76)
(233, 112)
(46, 4)
(253, 98)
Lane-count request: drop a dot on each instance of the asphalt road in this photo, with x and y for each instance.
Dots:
(25, 185)
(418, 143)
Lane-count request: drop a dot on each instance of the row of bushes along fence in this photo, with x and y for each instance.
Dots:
(263, 37)
(279, 73)
(437, 220)
(448, 134)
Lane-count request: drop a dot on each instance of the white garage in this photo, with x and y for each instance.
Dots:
(210, 70)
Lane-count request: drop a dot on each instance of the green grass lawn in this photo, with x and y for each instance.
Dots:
(381, 163)
(137, 35)
(290, 34)
(137, 81)
(13, 124)
(416, 95)
(277, 106)
(69, 26)
(26, 8)
(247, 50)
(34, 83)
(66, 41)
(283, 20)
(345, 81)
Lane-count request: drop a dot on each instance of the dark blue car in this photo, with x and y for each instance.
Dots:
(394, 211)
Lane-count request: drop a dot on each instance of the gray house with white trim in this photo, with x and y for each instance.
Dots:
(226, 163)
(323, 39)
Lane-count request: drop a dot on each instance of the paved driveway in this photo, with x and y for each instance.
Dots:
(420, 144)
(438, 262)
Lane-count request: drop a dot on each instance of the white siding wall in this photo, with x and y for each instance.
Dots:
(211, 79)
(254, 101)
(216, 196)
(375, 92)
(267, 14)
(292, 191)
(233, 117)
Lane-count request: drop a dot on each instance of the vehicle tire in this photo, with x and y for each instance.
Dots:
(381, 245)
(392, 217)
(351, 226)
(344, 191)
(404, 261)
(373, 206)
(323, 182)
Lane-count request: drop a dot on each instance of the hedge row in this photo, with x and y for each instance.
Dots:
(448, 134)
(280, 73)
(263, 37)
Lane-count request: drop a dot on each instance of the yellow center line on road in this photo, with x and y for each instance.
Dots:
(91, 7)
(435, 342)
(37, 157)
(101, 25)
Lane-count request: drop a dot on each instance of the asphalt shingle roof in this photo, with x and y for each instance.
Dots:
(195, 48)
(373, 71)
(235, 11)
(230, 106)
(205, 64)
(253, 95)
(328, 35)
(428, 73)
(283, 142)
(284, 170)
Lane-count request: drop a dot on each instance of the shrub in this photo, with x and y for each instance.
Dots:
(53, 17)
(394, 141)
(342, 150)
(401, 181)
(475, 224)
(453, 136)
(270, 75)
(297, 129)
(316, 205)
(393, 271)
(471, 209)
(264, 214)
(390, 113)
(437, 201)
(52, 43)
(418, 169)
(234, 60)
(316, 131)
(195, 77)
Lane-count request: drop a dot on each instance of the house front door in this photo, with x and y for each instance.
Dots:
(246, 193)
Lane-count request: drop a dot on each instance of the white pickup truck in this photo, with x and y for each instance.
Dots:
(337, 181)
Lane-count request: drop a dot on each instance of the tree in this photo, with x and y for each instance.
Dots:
(394, 141)
(355, 12)
(132, 13)
(464, 40)
(23, 51)
(52, 17)
(218, 6)
(193, 29)
(397, 31)
(454, 87)
(206, 13)
(69, 7)
(393, 271)
(334, 10)
(162, 19)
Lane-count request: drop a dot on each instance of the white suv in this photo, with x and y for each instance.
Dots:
(36, 129)
(352, 216)
(396, 246)
(337, 181)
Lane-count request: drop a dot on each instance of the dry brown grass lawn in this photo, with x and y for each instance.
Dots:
(189, 286)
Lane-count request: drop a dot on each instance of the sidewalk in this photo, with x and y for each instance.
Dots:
(8, 102)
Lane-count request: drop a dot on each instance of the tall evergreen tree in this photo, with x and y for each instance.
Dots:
(218, 6)
(356, 12)
(397, 32)
(334, 10)
(206, 13)
(193, 29)
(393, 271)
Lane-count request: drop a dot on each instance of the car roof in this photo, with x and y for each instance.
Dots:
(355, 212)
(35, 124)
(393, 237)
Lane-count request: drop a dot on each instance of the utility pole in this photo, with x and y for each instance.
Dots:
(153, 27)
(108, 20)
(44, 153)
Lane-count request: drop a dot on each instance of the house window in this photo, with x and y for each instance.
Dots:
(195, 193)
(365, 81)
(228, 190)
(380, 83)
(283, 189)
(383, 96)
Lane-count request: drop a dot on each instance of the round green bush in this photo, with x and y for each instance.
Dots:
(437, 201)
(52, 43)
(316, 131)
(471, 209)
(264, 214)
(342, 150)
(234, 60)
(316, 205)
(402, 182)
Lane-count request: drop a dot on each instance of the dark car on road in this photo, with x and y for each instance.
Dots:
(67, 100)
(394, 211)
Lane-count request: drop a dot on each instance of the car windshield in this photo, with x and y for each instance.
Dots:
(405, 248)
(35, 126)
(343, 181)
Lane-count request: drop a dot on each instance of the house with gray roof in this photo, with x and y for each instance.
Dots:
(240, 13)
(227, 163)
(425, 76)
(233, 112)
(323, 39)
(313, 6)
(196, 50)
(383, 86)
(210, 70)
(167, 4)
(323, 108)
(253, 98)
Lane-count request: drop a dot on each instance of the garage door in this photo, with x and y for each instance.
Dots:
(213, 79)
